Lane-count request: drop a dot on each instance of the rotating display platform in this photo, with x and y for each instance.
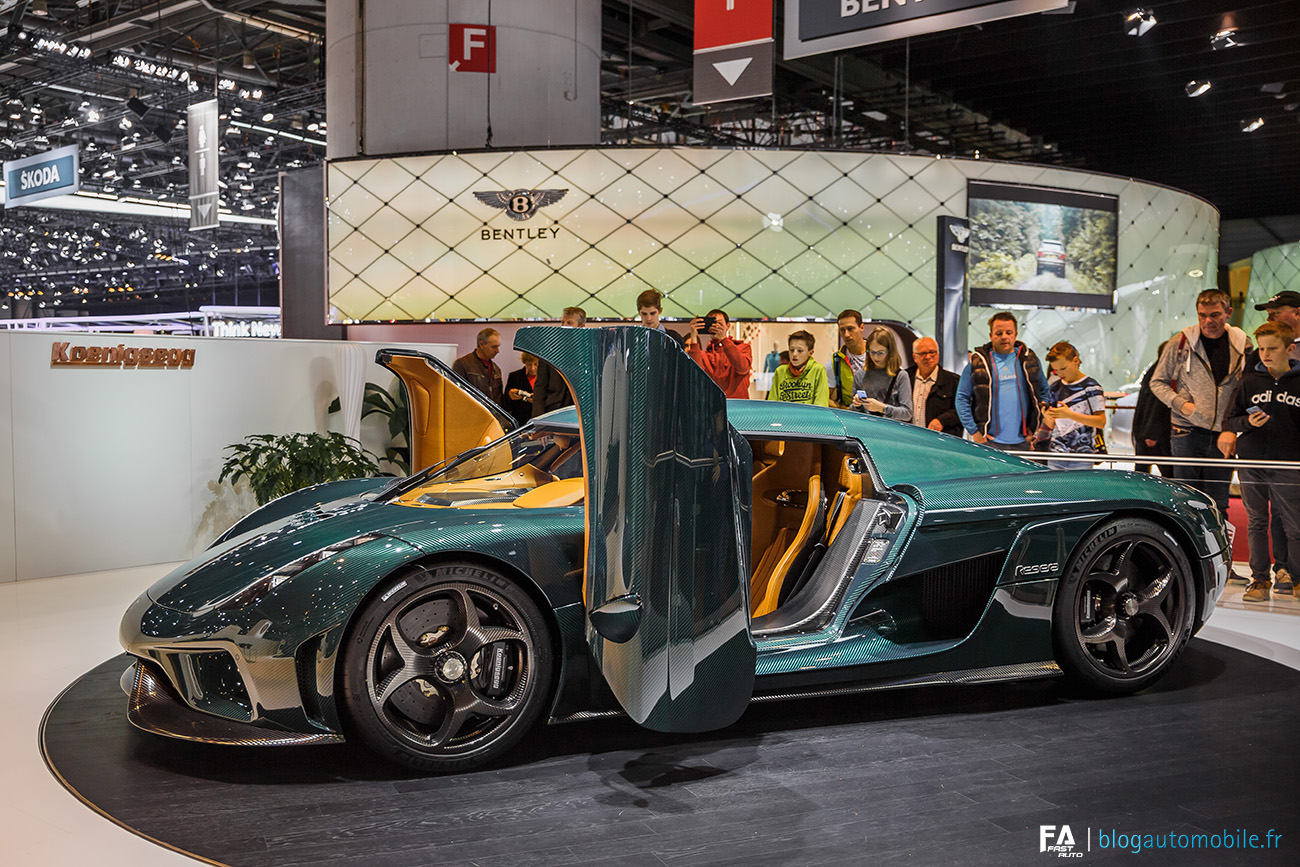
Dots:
(945, 774)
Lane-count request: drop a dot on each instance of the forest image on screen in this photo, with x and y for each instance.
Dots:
(1045, 252)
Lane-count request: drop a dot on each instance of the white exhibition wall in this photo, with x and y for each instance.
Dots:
(113, 466)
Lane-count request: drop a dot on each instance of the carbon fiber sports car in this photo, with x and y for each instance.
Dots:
(661, 552)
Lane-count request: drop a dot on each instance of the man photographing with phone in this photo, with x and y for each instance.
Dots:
(726, 361)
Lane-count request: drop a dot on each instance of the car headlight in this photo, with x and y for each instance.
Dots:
(258, 589)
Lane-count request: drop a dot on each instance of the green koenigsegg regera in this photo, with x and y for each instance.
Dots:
(662, 552)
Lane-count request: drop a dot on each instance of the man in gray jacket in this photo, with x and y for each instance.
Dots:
(1195, 378)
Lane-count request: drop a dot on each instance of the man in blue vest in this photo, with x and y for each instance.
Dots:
(1002, 390)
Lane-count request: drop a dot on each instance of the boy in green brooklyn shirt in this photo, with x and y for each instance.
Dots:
(803, 380)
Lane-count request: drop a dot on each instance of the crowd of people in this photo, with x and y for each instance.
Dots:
(1209, 394)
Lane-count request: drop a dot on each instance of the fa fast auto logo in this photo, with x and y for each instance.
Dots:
(520, 204)
(1058, 841)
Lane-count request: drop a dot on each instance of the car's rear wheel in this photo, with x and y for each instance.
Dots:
(446, 668)
(1124, 610)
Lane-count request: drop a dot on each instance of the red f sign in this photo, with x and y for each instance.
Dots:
(472, 48)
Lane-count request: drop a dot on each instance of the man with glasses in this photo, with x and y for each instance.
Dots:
(934, 390)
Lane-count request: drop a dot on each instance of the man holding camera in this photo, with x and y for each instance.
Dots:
(726, 361)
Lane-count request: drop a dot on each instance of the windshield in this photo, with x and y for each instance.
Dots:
(555, 452)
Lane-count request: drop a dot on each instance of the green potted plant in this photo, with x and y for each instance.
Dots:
(279, 464)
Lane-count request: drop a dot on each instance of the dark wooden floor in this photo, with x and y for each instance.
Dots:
(962, 775)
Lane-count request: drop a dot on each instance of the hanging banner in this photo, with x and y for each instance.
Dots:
(819, 26)
(733, 50)
(204, 165)
(30, 179)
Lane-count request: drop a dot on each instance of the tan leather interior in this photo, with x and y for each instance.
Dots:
(565, 492)
(783, 530)
(850, 485)
(781, 533)
(444, 420)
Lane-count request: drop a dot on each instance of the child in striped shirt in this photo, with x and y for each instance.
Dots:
(1077, 412)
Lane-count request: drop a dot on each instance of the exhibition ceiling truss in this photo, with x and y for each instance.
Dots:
(1069, 89)
(115, 78)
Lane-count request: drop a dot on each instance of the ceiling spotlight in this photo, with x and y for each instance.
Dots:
(249, 62)
(39, 7)
(1139, 21)
(1252, 125)
(268, 117)
(1196, 88)
(1224, 39)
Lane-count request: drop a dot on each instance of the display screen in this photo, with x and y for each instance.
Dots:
(1041, 247)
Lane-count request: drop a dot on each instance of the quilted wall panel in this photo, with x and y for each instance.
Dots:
(762, 234)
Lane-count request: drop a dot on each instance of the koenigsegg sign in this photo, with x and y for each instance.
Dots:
(64, 354)
(817, 26)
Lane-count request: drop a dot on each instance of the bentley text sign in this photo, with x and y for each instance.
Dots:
(202, 124)
(817, 26)
(30, 179)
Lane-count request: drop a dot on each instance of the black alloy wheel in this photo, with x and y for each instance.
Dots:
(446, 668)
(1124, 610)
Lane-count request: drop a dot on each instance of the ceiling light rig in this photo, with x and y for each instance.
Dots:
(1138, 21)
(1196, 88)
(1252, 125)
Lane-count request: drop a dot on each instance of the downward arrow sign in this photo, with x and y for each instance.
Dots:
(203, 210)
(731, 70)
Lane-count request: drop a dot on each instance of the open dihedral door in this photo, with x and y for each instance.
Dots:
(668, 499)
(447, 414)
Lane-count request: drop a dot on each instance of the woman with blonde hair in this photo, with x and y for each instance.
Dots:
(883, 387)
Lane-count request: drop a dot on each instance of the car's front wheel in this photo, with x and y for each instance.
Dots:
(446, 668)
(1124, 609)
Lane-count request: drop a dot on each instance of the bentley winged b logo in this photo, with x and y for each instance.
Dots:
(520, 204)
(961, 233)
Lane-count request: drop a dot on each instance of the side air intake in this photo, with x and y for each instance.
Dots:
(954, 595)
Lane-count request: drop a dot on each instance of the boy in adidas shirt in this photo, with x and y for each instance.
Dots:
(803, 379)
(1263, 423)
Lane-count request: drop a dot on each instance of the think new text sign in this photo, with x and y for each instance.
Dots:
(817, 26)
(53, 173)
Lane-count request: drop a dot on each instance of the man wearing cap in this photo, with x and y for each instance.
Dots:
(1283, 307)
